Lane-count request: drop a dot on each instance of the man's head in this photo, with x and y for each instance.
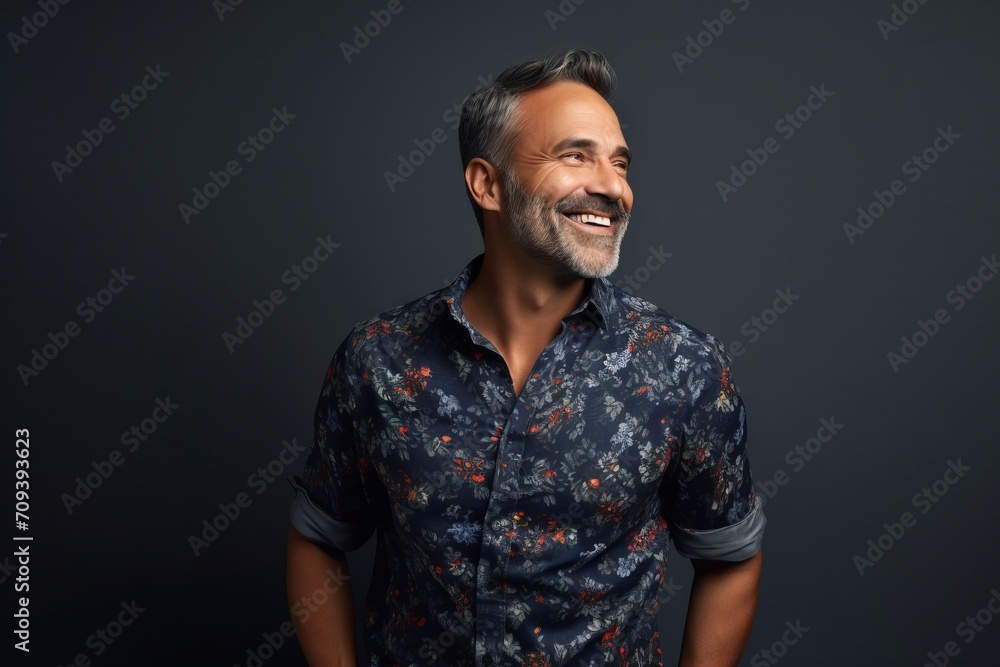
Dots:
(540, 146)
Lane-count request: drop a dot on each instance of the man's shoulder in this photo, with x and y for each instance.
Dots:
(384, 330)
(644, 319)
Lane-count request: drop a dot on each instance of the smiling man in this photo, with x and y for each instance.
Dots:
(526, 442)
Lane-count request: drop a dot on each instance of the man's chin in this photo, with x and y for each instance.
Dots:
(602, 272)
(591, 269)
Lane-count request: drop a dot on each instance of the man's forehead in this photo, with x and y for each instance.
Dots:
(565, 107)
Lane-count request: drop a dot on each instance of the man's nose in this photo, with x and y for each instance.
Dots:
(607, 182)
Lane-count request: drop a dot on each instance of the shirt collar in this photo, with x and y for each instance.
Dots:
(598, 299)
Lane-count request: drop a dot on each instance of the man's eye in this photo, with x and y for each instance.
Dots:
(579, 155)
(623, 165)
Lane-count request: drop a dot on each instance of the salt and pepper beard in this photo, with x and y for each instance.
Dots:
(538, 227)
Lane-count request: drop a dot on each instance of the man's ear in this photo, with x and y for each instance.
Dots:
(484, 183)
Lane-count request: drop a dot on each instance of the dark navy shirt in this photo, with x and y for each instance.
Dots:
(532, 529)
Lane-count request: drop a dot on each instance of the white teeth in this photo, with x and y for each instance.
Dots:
(588, 217)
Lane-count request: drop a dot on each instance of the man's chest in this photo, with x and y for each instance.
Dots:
(581, 450)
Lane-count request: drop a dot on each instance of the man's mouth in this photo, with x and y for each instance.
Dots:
(589, 219)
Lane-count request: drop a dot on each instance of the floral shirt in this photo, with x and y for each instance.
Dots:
(527, 529)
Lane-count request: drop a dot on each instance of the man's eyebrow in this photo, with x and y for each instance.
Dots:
(590, 144)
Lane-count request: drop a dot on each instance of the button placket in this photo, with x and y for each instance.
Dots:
(504, 491)
(502, 504)
(489, 594)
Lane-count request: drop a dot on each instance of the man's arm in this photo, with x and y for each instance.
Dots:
(720, 611)
(325, 631)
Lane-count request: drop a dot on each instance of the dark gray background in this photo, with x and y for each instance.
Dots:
(323, 175)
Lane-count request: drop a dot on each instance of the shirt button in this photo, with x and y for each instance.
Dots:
(487, 660)
(496, 524)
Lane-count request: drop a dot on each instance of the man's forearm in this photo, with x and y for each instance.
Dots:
(321, 603)
(720, 612)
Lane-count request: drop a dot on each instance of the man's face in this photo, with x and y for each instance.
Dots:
(571, 159)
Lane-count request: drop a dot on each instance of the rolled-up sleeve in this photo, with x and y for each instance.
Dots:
(336, 500)
(708, 496)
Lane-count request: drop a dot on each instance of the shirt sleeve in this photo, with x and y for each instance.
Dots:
(337, 501)
(709, 501)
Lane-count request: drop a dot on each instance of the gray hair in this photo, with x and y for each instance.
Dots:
(484, 129)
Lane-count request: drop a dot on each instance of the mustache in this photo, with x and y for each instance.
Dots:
(611, 209)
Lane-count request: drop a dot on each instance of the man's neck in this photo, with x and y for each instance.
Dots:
(514, 300)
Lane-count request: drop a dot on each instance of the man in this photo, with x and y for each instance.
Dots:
(526, 441)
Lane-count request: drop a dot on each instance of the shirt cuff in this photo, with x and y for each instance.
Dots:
(738, 541)
(317, 525)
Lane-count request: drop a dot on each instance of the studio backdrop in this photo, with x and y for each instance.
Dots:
(202, 198)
